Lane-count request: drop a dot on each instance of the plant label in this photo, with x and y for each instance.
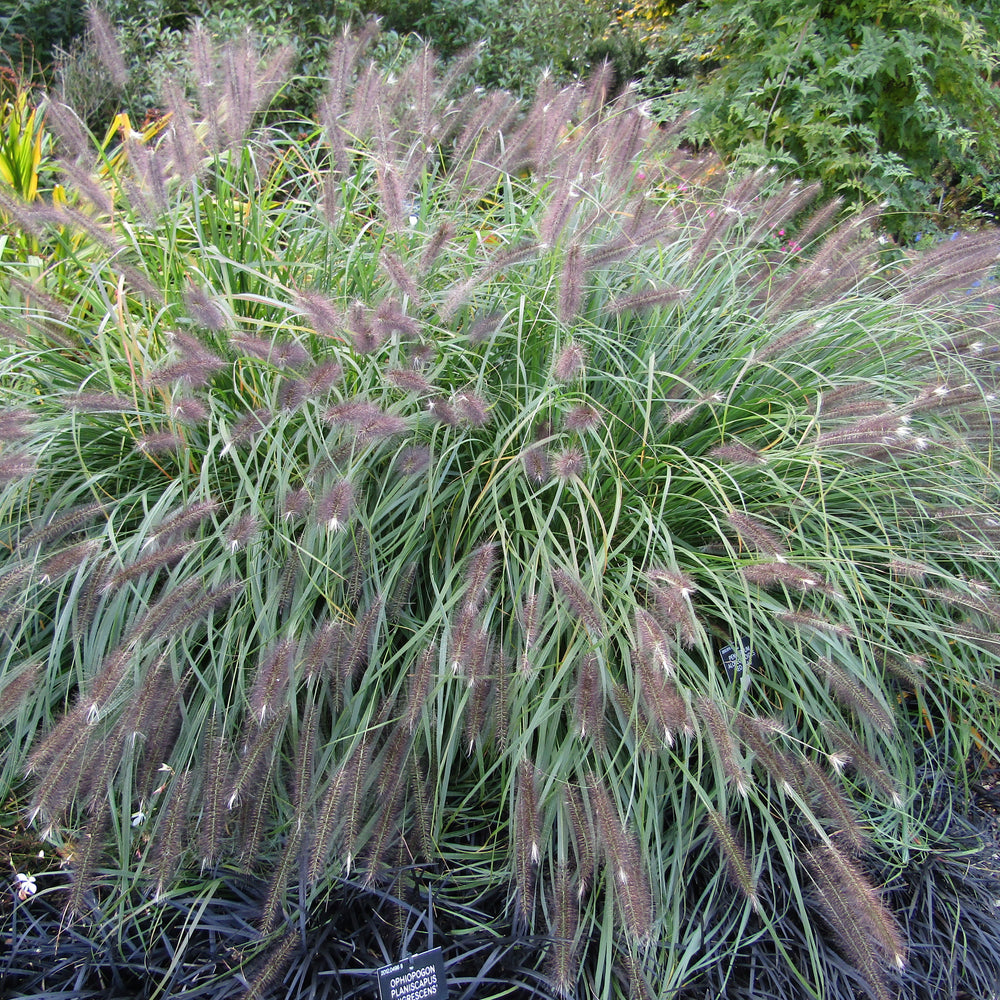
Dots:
(737, 657)
(419, 977)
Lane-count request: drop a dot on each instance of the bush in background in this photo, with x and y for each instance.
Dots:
(891, 103)
(447, 505)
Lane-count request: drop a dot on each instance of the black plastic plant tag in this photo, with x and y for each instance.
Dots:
(738, 656)
(418, 977)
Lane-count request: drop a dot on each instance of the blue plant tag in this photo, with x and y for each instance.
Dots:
(738, 656)
(418, 977)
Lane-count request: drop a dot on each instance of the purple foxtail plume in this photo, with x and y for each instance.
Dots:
(851, 691)
(396, 269)
(483, 327)
(579, 601)
(756, 536)
(830, 803)
(570, 463)
(325, 316)
(17, 465)
(734, 856)
(571, 281)
(570, 363)
(274, 672)
(738, 453)
(582, 418)
(527, 837)
(721, 737)
(205, 309)
(589, 702)
(865, 928)
(335, 508)
(621, 851)
(471, 407)
(641, 301)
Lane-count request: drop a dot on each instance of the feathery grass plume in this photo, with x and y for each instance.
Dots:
(17, 465)
(408, 380)
(589, 702)
(563, 927)
(326, 318)
(187, 409)
(852, 692)
(243, 532)
(188, 603)
(212, 823)
(569, 463)
(160, 442)
(527, 838)
(733, 852)
(296, 504)
(367, 421)
(152, 562)
(846, 751)
(652, 298)
(15, 425)
(815, 623)
(390, 320)
(480, 681)
(479, 572)
(622, 855)
(256, 757)
(274, 672)
(272, 910)
(652, 645)
(910, 668)
(721, 738)
(60, 763)
(335, 508)
(778, 574)
(419, 687)
(664, 701)
(86, 854)
(671, 592)
(536, 464)
(754, 534)
(288, 581)
(738, 453)
(579, 601)
(584, 846)
(472, 408)
(396, 269)
(363, 640)
(16, 686)
(832, 804)
(865, 928)
(98, 402)
(782, 768)
(357, 571)
(467, 639)
(61, 525)
(248, 427)
(909, 569)
(400, 599)
(571, 279)
(983, 603)
(183, 520)
(581, 418)
(169, 841)
(272, 969)
(570, 363)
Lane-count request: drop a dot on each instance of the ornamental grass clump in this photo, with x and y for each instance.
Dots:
(437, 501)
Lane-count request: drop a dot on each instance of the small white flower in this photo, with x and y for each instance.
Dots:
(26, 886)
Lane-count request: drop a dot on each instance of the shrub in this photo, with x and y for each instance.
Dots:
(888, 102)
(450, 501)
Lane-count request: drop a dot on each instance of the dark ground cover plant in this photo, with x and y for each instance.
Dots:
(379, 504)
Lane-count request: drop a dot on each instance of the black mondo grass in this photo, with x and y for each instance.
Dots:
(377, 498)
